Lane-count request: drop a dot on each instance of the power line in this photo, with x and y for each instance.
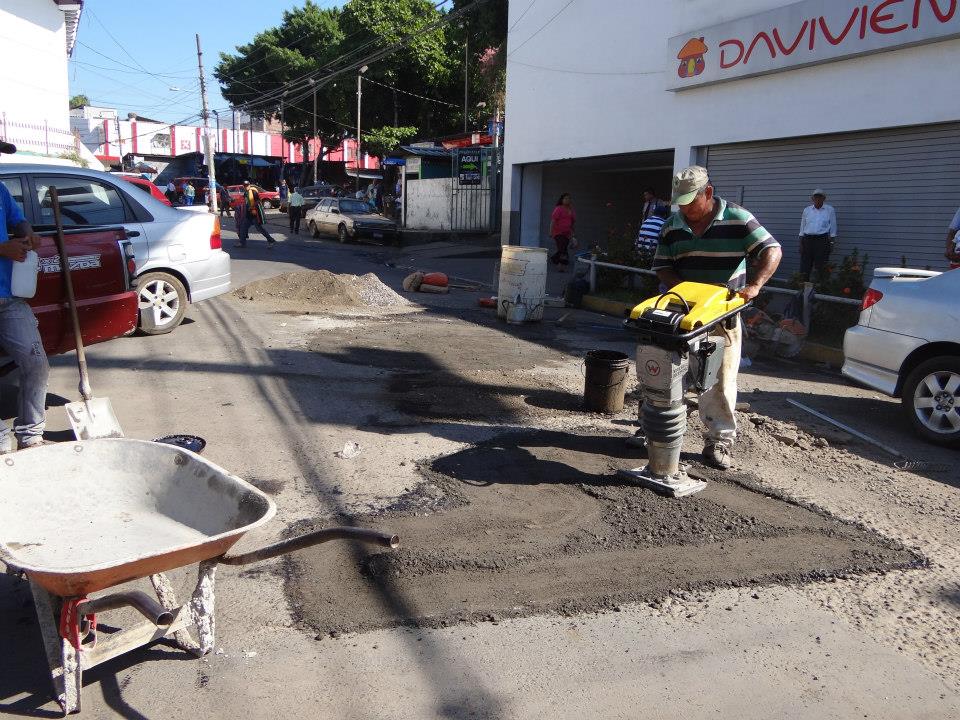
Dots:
(586, 72)
(123, 64)
(522, 15)
(406, 92)
(541, 28)
(125, 72)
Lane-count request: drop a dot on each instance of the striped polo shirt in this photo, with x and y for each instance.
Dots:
(649, 234)
(719, 256)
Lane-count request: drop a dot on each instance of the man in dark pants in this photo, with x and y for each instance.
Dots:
(295, 210)
(252, 217)
(818, 233)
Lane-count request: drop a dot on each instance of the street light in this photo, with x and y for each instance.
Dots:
(359, 97)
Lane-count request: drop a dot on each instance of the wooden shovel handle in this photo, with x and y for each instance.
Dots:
(85, 390)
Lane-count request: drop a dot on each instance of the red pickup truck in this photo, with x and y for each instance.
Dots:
(101, 265)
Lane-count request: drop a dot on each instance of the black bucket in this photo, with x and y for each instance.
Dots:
(605, 381)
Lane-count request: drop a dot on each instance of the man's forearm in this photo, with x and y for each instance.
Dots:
(768, 263)
(669, 277)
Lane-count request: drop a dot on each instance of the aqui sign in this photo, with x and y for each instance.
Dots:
(806, 33)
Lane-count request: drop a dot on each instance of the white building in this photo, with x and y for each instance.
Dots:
(36, 40)
(859, 97)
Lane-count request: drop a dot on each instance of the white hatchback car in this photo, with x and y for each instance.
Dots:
(907, 345)
(179, 259)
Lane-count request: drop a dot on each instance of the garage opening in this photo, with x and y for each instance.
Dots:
(607, 194)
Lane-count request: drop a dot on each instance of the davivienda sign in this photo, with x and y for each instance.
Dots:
(806, 33)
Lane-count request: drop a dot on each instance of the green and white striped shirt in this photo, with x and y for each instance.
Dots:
(719, 256)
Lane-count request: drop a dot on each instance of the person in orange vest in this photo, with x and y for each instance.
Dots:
(253, 216)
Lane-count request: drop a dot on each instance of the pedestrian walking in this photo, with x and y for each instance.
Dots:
(19, 337)
(295, 210)
(253, 216)
(171, 193)
(952, 252)
(189, 193)
(562, 221)
(710, 241)
(223, 198)
(818, 233)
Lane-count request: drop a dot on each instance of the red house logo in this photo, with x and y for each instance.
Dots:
(691, 58)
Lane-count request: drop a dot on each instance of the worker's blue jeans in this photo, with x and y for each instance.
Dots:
(20, 339)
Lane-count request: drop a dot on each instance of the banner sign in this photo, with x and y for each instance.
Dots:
(806, 33)
(468, 167)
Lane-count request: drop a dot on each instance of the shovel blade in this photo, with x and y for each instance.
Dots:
(94, 418)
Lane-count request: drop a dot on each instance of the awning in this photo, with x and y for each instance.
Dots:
(366, 174)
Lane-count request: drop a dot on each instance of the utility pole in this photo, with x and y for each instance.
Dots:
(316, 150)
(466, 77)
(119, 142)
(359, 97)
(211, 170)
(283, 159)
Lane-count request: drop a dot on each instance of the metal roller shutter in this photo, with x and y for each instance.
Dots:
(895, 191)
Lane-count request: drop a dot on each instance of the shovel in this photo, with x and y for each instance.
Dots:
(94, 417)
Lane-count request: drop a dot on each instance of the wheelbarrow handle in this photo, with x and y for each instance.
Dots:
(374, 537)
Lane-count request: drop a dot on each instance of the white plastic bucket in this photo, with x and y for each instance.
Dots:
(523, 283)
(23, 278)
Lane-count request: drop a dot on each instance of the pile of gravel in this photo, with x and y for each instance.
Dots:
(319, 290)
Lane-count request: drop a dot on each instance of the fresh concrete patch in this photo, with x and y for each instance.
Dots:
(538, 522)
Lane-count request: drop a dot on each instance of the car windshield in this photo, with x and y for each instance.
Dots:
(355, 207)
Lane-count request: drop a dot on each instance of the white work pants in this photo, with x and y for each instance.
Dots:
(718, 404)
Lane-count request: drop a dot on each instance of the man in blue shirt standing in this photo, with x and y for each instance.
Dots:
(19, 336)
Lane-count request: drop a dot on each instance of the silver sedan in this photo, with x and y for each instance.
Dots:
(179, 259)
(907, 345)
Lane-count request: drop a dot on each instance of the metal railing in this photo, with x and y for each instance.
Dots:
(806, 292)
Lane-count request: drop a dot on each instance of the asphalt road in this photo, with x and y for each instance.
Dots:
(240, 378)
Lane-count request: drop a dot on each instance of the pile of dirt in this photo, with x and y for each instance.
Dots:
(322, 290)
(539, 522)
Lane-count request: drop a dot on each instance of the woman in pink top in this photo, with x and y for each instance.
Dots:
(561, 230)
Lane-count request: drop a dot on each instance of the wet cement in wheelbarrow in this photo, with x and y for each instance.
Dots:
(539, 522)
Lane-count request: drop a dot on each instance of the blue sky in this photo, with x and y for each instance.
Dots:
(147, 48)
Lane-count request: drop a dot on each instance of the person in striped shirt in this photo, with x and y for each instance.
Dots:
(649, 234)
(711, 241)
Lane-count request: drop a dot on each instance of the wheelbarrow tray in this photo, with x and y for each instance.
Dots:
(84, 516)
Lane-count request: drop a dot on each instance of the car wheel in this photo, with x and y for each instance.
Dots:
(162, 300)
(342, 233)
(931, 400)
(314, 230)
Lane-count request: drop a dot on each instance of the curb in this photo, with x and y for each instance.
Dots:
(608, 307)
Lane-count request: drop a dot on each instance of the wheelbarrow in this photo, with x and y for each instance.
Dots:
(80, 518)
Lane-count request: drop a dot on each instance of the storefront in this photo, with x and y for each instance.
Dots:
(775, 99)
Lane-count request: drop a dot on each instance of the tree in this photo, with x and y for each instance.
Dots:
(78, 101)
(382, 141)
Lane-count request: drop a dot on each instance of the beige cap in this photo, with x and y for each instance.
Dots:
(688, 183)
(819, 191)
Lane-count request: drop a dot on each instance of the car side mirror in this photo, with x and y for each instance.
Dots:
(335, 210)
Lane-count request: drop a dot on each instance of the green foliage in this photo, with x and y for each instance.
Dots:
(313, 41)
(78, 101)
(828, 320)
(75, 157)
(384, 140)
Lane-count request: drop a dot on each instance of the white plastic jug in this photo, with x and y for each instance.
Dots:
(23, 279)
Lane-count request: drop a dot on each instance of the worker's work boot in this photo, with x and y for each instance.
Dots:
(717, 454)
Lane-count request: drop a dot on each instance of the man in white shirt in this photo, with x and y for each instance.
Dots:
(952, 252)
(818, 233)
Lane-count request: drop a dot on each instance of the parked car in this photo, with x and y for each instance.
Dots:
(312, 194)
(907, 345)
(178, 255)
(349, 219)
(147, 186)
(199, 185)
(267, 197)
